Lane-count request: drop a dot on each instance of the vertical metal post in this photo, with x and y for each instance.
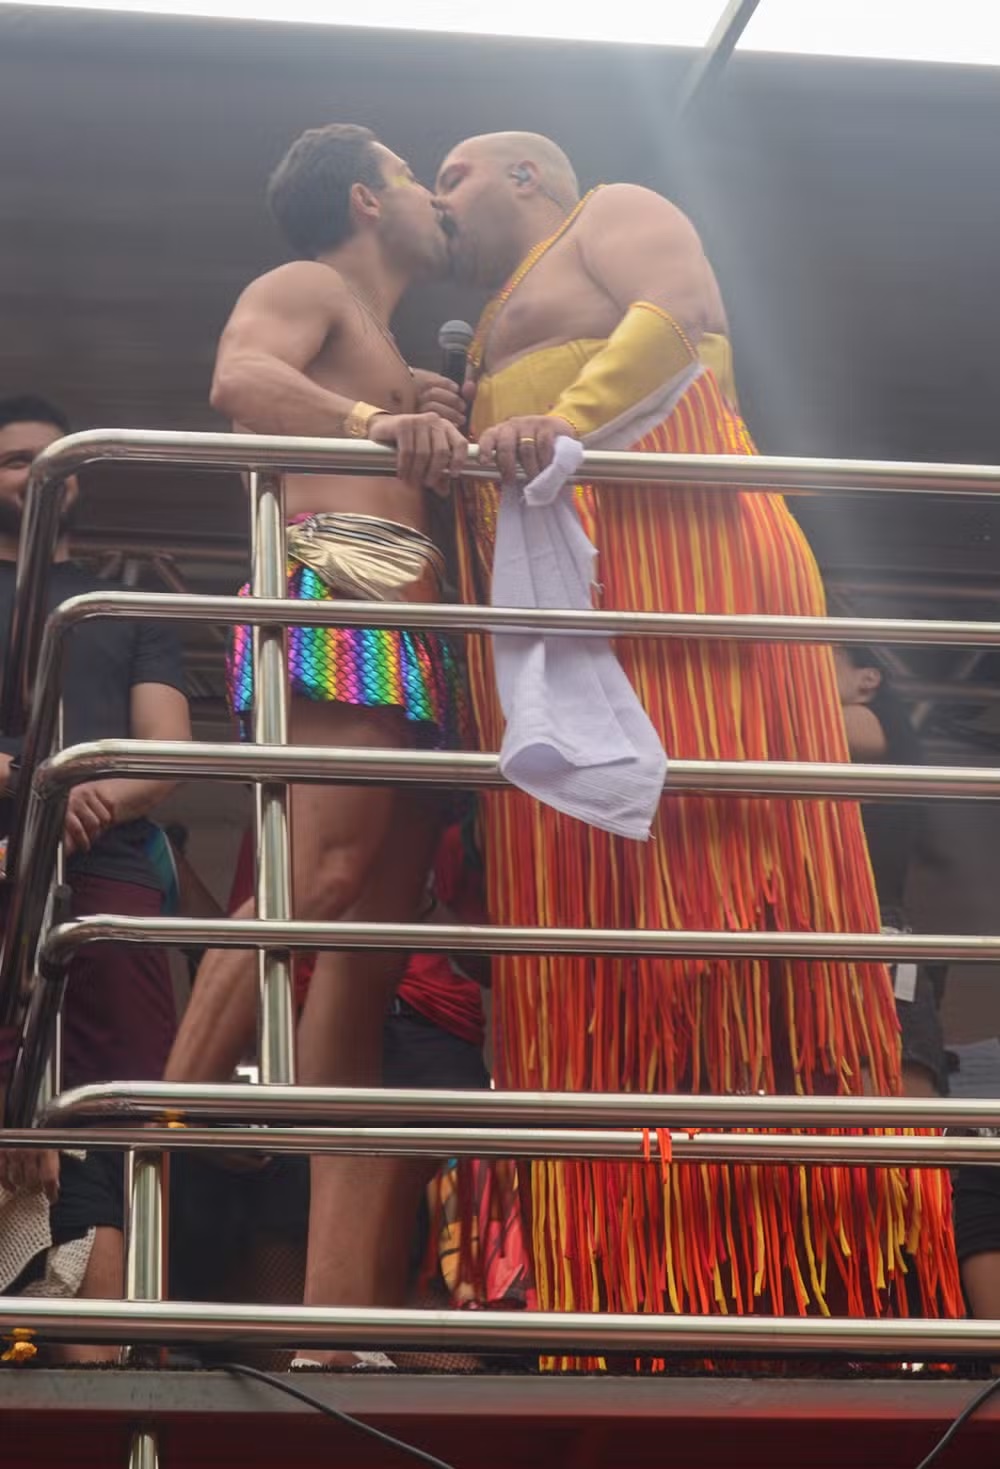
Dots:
(37, 1071)
(145, 1227)
(52, 1084)
(276, 1053)
(52, 1079)
(35, 551)
(143, 1453)
(145, 1263)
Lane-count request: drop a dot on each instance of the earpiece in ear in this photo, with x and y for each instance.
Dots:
(520, 174)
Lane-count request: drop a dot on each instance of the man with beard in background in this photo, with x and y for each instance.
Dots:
(122, 679)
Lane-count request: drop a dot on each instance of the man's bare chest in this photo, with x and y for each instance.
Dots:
(557, 302)
(363, 363)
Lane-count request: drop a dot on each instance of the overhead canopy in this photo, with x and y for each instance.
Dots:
(964, 31)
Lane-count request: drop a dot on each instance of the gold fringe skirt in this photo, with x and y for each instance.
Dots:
(704, 1238)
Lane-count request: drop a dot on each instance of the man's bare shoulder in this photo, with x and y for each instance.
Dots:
(299, 283)
(615, 203)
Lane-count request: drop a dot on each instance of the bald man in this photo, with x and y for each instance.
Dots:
(608, 325)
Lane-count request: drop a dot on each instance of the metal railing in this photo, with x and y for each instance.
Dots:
(618, 1144)
(277, 765)
(280, 612)
(182, 1323)
(262, 453)
(331, 1120)
(129, 1103)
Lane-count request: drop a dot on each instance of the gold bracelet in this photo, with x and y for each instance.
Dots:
(358, 421)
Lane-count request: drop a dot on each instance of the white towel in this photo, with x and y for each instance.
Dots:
(25, 1232)
(577, 737)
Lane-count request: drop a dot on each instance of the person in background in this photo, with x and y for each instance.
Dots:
(976, 1194)
(121, 679)
(879, 731)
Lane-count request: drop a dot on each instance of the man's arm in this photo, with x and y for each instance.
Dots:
(158, 712)
(644, 255)
(637, 246)
(865, 735)
(278, 328)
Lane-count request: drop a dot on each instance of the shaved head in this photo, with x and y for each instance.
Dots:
(510, 150)
(497, 195)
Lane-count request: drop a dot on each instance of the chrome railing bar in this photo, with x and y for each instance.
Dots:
(882, 781)
(270, 723)
(39, 734)
(230, 610)
(40, 731)
(460, 618)
(556, 1332)
(63, 942)
(195, 760)
(40, 523)
(52, 1080)
(145, 1224)
(273, 876)
(195, 1103)
(220, 760)
(624, 1145)
(305, 455)
(36, 548)
(44, 1002)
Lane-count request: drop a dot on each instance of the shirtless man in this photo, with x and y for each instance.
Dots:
(308, 351)
(607, 325)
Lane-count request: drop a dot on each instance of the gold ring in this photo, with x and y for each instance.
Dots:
(526, 439)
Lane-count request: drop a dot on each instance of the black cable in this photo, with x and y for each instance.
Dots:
(240, 1370)
(963, 1417)
(296, 1392)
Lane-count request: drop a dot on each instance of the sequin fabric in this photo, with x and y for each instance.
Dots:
(418, 672)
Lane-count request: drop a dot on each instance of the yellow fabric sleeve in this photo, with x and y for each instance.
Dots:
(646, 349)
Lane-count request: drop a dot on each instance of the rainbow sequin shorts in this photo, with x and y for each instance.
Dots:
(333, 556)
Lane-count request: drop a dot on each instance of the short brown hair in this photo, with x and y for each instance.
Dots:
(309, 192)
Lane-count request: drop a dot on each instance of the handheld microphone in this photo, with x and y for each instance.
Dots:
(455, 339)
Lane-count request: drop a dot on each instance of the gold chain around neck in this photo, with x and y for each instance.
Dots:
(492, 310)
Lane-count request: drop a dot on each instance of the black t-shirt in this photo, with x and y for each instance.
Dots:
(104, 658)
(892, 827)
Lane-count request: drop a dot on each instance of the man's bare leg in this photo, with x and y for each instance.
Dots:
(362, 1210)
(336, 833)
(368, 851)
(219, 1025)
(103, 1280)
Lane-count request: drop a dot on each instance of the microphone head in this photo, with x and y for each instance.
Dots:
(455, 336)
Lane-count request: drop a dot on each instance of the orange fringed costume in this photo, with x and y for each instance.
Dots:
(699, 1238)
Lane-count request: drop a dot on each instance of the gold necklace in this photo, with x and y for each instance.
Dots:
(493, 308)
(386, 333)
